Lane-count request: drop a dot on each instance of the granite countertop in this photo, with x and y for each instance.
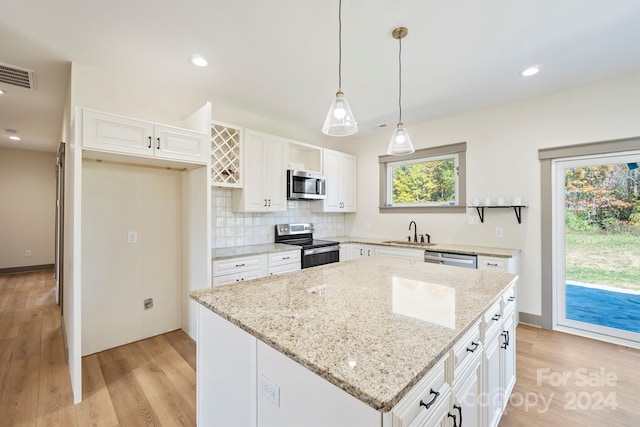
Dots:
(442, 247)
(372, 326)
(265, 248)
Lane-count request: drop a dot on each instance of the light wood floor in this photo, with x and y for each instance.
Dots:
(152, 382)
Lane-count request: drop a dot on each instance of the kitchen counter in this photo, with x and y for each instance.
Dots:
(441, 247)
(372, 327)
(265, 248)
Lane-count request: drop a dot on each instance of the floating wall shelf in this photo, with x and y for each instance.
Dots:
(517, 209)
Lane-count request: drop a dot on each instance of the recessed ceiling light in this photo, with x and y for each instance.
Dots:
(14, 137)
(1, 92)
(199, 61)
(531, 71)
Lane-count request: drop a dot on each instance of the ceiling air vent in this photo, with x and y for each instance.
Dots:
(16, 76)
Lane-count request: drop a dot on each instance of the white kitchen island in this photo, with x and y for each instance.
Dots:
(372, 342)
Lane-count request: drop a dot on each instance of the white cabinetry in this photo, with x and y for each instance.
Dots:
(402, 253)
(509, 265)
(116, 134)
(239, 269)
(340, 170)
(226, 155)
(284, 262)
(350, 251)
(265, 180)
(500, 351)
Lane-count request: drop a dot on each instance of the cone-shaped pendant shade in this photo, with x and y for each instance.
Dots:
(400, 142)
(339, 121)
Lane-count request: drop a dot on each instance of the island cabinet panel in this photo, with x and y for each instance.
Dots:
(226, 376)
(291, 395)
(425, 403)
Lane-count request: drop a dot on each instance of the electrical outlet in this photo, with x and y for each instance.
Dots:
(270, 390)
(132, 237)
(27, 252)
(148, 303)
(499, 232)
(473, 219)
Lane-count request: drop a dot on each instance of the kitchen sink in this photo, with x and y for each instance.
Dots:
(406, 243)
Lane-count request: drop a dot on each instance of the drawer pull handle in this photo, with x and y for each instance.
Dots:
(158, 146)
(492, 264)
(240, 265)
(496, 317)
(459, 409)
(286, 257)
(432, 401)
(455, 421)
(149, 142)
(511, 299)
(474, 347)
(505, 334)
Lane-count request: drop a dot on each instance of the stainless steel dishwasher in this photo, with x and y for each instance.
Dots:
(446, 258)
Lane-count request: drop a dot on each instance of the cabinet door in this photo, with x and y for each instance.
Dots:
(508, 358)
(492, 381)
(253, 193)
(276, 159)
(331, 170)
(348, 182)
(180, 144)
(107, 132)
(466, 403)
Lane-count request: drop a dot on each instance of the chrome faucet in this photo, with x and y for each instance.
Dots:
(415, 231)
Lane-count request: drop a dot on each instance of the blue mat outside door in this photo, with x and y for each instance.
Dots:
(602, 307)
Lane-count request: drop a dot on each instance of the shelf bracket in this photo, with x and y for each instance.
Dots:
(480, 210)
(518, 211)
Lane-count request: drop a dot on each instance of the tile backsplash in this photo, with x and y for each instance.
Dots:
(246, 228)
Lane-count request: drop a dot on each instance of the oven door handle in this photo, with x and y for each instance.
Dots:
(322, 250)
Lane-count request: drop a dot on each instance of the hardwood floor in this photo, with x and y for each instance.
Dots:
(149, 382)
(152, 382)
(565, 380)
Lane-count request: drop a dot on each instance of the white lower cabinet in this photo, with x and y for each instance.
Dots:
(284, 262)
(239, 269)
(402, 253)
(350, 251)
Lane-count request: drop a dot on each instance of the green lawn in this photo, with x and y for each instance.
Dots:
(605, 259)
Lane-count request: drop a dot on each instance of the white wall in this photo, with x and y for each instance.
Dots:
(502, 159)
(27, 216)
(117, 276)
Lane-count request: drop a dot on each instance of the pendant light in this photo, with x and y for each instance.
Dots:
(339, 120)
(400, 140)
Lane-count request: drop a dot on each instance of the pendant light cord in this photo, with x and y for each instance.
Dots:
(340, 45)
(400, 80)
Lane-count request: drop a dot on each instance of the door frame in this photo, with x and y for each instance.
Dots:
(560, 322)
(546, 155)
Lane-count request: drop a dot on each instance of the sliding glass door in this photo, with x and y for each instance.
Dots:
(596, 231)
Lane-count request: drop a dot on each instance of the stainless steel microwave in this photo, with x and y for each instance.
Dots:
(305, 185)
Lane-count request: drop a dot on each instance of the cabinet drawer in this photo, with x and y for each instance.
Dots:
(403, 253)
(465, 349)
(284, 268)
(432, 389)
(492, 321)
(241, 276)
(490, 263)
(282, 258)
(235, 265)
(509, 301)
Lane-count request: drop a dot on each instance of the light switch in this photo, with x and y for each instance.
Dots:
(132, 237)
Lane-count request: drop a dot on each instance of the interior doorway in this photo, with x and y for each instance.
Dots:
(596, 246)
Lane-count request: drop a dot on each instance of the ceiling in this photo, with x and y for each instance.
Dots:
(279, 58)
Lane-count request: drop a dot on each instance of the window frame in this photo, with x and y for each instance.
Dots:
(425, 155)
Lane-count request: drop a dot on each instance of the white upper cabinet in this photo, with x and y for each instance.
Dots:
(265, 180)
(340, 170)
(117, 134)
